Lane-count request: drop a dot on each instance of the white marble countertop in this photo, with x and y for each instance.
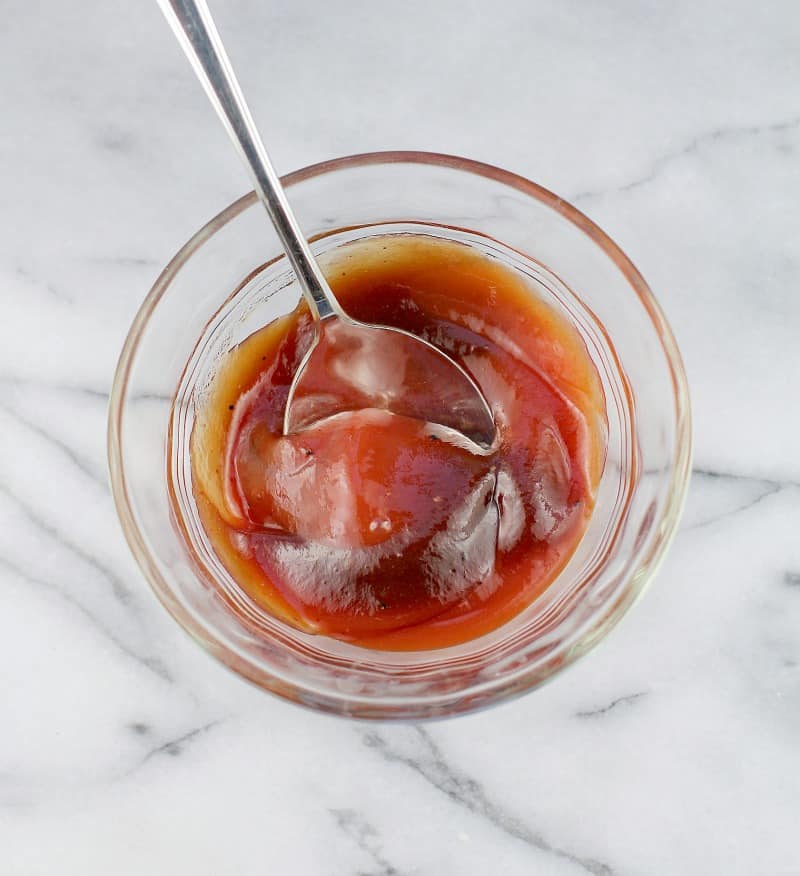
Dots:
(672, 749)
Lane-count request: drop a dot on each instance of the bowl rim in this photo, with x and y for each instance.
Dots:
(527, 678)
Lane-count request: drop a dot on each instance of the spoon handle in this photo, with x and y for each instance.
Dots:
(195, 30)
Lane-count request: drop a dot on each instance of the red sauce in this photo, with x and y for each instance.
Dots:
(381, 529)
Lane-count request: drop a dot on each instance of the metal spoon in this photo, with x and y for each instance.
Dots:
(421, 381)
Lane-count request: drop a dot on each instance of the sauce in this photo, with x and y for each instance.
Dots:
(393, 532)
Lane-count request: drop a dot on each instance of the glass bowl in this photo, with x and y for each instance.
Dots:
(231, 278)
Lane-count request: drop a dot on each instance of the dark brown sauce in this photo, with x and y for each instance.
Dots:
(382, 529)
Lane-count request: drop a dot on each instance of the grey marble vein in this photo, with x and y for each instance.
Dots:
(696, 144)
(614, 704)
(465, 791)
(175, 747)
(715, 518)
(67, 388)
(368, 839)
(150, 397)
(735, 492)
(743, 476)
(127, 260)
(149, 662)
(118, 587)
(48, 286)
(78, 461)
(114, 140)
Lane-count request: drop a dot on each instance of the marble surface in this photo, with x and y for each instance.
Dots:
(673, 749)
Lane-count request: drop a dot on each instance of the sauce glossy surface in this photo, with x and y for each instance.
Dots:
(379, 528)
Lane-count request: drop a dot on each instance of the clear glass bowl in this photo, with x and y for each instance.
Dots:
(231, 278)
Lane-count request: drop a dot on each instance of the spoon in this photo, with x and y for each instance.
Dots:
(350, 364)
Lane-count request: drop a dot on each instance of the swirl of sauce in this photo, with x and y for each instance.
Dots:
(388, 531)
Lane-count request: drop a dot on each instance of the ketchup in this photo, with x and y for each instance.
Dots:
(393, 532)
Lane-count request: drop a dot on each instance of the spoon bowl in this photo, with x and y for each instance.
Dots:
(389, 369)
(452, 398)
